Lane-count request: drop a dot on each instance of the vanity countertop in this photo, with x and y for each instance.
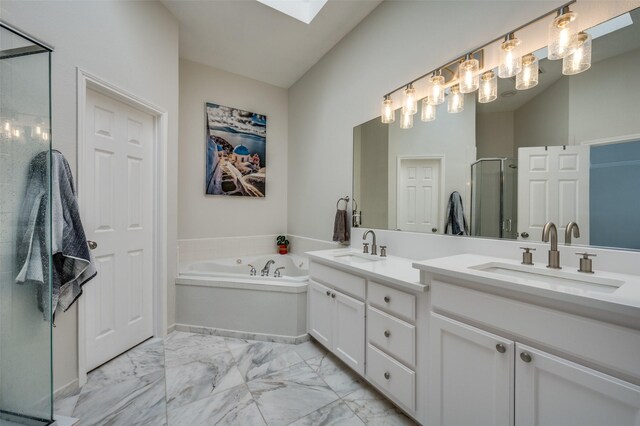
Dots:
(620, 295)
(396, 270)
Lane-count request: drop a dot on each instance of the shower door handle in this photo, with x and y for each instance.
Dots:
(92, 245)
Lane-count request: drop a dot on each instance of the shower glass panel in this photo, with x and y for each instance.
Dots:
(493, 200)
(25, 320)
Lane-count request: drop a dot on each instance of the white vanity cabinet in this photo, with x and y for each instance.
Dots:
(482, 378)
(337, 320)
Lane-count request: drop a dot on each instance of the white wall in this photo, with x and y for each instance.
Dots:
(206, 216)
(396, 43)
(132, 45)
(372, 151)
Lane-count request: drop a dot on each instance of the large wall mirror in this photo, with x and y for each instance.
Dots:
(567, 150)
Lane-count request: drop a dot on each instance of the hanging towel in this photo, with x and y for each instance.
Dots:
(341, 226)
(72, 265)
(456, 222)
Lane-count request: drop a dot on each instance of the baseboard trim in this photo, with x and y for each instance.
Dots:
(68, 389)
(295, 340)
(171, 328)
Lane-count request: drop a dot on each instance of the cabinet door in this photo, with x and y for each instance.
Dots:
(554, 391)
(320, 313)
(348, 331)
(471, 375)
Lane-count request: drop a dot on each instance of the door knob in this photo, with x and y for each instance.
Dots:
(524, 234)
(92, 245)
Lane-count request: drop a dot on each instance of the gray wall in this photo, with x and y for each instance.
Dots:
(373, 190)
(495, 134)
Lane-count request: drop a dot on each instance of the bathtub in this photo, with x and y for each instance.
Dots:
(220, 297)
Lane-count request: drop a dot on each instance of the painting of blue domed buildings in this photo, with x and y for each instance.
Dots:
(236, 143)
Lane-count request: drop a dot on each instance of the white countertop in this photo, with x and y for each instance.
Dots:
(623, 300)
(396, 270)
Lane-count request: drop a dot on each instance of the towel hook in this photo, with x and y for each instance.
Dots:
(346, 202)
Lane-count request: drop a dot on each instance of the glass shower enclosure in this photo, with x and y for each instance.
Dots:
(493, 197)
(25, 230)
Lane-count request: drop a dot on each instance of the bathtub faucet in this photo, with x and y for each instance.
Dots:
(252, 272)
(265, 271)
(277, 272)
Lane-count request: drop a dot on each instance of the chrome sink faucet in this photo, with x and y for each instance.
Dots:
(550, 232)
(572, 227)
(374, 247)
(265, 271)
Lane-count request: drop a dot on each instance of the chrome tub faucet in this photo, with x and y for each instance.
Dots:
(265, 271)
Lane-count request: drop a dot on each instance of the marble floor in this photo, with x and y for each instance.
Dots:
(196, 379)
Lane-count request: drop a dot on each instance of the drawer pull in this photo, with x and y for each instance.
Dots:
(328, 293)
(387, 375)
(387, 333)
(387, 299)
(333, 295)
(525, 356)
(500, 348)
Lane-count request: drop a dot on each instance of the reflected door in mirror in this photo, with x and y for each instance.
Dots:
(419, 194)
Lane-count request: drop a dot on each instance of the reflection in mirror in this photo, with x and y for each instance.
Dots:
(565, 150)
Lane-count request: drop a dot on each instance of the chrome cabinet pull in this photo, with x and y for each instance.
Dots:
(387, 299)
(328, 293)
(500, 348)
(387, 375)
(387, 333)
(333, 295)
(525, 356)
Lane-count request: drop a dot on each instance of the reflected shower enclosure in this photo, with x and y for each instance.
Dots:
(494, 182)
(25, 320)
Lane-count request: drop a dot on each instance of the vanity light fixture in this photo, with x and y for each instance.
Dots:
(528, 77)
(562, 34)
(409, 101)
(580, 59)
(436, 90)
(406, 121)
(488, 91)
(428, 110)
(468, 74)
(388, 113)
(456, 100)
(510, 60)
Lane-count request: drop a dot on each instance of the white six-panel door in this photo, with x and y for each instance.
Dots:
(117, 201)
(418, 195)
(553, 185)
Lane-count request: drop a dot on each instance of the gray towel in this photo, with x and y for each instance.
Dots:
(456, 222)
(341, 226)
(71, 262)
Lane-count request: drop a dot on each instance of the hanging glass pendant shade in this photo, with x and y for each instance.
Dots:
(468, 75)
(580, 59)
(510, 57)
(388, 114)
(562, 34)
(488, 91)
(428, 110)
(528, 77)
(409, 101)
(406, 121)
(436, 90)
(456, 100)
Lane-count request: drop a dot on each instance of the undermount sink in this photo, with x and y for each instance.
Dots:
(357, 257)
(554, 278)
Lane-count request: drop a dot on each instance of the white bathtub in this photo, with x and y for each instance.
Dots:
(221, 297)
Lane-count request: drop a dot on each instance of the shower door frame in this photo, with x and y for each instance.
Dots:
(502, 171)
(86, 81)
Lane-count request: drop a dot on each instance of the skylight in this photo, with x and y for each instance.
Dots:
(302, 10)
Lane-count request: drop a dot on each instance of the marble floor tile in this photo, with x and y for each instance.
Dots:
(289, 394)
(195, 380)
(136, 401)
(257, 359)
(234, 406)
(335, 414)
(309, 349)
(375, 409)
(338, 376)
(65, 403)
(181, 347)
(138, 362)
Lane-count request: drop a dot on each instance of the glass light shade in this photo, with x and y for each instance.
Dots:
(468, 75)
(409, 101)
(45, 136)
(436, 90)
(528, 77)
(406, 121)
(428, 110)
(562, 35)
(510, 57)
(488, 91)
(388, 114)
(580, 59)
(456, 100)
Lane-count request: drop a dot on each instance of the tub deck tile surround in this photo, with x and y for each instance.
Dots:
(196, 379)
(243, 335)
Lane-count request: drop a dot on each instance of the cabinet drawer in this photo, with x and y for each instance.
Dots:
(392, 335)
(345, 282)
(391, 376)
(393, 301)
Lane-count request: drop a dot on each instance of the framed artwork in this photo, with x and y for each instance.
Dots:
(236, 142)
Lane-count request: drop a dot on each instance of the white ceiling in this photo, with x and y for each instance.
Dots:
(248, 38)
